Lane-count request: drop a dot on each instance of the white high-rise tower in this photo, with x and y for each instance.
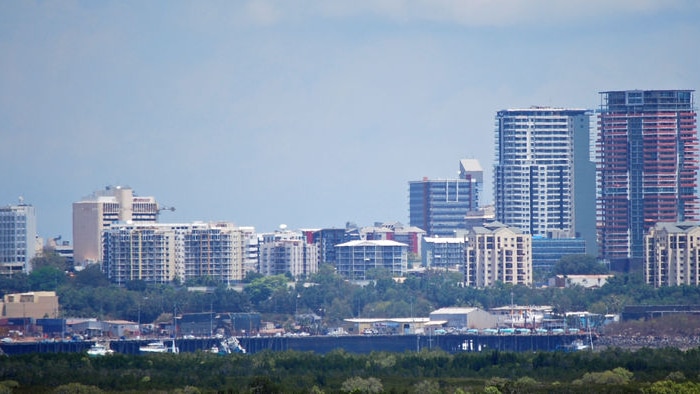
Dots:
(536, 151)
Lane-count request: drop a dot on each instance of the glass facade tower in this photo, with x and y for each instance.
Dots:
(17, 238)
(439, 207)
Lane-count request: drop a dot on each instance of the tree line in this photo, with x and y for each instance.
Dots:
(612, 370)
(88, 293)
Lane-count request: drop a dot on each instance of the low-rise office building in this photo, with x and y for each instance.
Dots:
(35, 304)
(464, 318)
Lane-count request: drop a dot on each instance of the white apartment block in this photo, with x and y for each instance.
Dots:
(18, 238)
(251, 260)
(286, 251)
(443, 253)
(96, 213)
(534, 170)
(355, 258)
(672, 254)
(161, 253)
(498, 253)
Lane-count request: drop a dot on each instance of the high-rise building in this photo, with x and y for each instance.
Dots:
(498, 253)
(440, 206)
(251, 261)
(647, 149)
(18, 238)
(542, 163)
(96, 213)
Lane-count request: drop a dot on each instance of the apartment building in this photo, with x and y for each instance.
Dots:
(498, 253)
(542, 164)
(285, 251)
(672, 254)
(356, 258)
(443, 253)
(162, 253)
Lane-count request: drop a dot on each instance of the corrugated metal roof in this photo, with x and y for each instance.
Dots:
(380, 242)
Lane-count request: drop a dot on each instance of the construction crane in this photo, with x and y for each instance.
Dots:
(163, 208)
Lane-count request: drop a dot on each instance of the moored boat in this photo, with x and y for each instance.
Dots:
(153, 347)
(99, 349)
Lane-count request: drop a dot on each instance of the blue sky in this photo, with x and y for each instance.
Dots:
(309, 113)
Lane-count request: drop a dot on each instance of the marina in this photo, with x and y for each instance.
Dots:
(362, 344)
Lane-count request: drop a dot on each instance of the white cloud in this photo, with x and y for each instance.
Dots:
(263, 12)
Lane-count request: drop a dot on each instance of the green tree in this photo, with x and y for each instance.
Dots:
(136, 285)
(8, 386)
(91, 276)
(46, 278)
(672, 387)
(338, 310)
(17, 283)
(361, 385)
(263, 385)
(77, 388)
(49, 258)
(426, 387)
(261, 289)
(579, 264)
(617, 376)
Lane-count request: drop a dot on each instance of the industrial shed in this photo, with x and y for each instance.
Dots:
(464, 318)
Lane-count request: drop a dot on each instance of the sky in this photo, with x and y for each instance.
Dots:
(308, 113)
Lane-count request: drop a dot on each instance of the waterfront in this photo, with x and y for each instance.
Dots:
(361, 344)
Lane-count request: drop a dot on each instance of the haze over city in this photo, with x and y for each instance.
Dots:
(307, 113)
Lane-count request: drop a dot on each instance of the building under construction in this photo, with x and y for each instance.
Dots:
(647, 149)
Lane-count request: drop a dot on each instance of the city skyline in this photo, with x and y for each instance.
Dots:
(263, 113)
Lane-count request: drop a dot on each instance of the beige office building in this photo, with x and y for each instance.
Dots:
(36, 304)
(672, 254)
(96, 213)
(498, 253)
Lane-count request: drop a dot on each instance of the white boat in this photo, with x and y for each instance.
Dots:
(575, 346)
(153, 347)
(227, 346)
(98, 349)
